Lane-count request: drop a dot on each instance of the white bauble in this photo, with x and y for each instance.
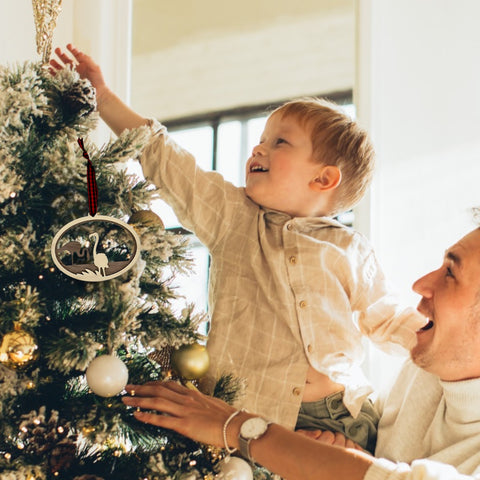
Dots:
(235, 468)
(107, 375)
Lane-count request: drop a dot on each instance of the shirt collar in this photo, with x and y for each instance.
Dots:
(303, 223)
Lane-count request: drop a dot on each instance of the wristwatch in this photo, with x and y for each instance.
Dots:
(251, 429)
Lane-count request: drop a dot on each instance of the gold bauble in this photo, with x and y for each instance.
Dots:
(19, 349)
(146, 218)
(190, 362)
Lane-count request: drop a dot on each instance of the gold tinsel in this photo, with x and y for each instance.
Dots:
(45, 13)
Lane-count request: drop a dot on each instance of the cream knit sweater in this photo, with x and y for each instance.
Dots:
(429, 429)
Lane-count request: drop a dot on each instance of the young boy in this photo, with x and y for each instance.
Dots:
(285, 278)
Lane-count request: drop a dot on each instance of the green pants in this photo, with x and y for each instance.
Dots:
(331, 414)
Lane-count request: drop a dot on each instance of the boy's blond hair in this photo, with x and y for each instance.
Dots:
(336, 140)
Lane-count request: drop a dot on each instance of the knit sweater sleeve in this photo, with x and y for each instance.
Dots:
(382, 469)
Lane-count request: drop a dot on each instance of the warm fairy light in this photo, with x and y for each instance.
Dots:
(60, 429)
(8, 456)
(36, 421)
(56, 474)
(20, 445)
(117, 453)
(30, 385)
(192, 463)
(52, 269)
(13, 194)
(24, 429)
(40, 277)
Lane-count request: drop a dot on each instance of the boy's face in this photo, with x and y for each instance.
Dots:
(281, 167)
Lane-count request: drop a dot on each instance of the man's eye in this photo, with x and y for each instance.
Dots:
(449, 273)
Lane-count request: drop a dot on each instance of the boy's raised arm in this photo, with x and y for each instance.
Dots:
(116, 114)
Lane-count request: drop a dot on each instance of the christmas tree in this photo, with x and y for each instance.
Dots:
(60, 417)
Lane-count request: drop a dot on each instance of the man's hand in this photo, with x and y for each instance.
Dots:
(189, 412)
(330, 438)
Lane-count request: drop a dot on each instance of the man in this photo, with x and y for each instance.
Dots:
(430, 421)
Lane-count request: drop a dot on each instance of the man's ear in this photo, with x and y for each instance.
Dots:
(327, 178)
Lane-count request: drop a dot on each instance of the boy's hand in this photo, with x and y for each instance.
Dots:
(83, 64)
(330, 438)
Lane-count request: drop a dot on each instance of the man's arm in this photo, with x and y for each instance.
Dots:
(282, 451)
(116, 114)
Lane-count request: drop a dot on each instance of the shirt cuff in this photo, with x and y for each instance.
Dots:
(382, 469)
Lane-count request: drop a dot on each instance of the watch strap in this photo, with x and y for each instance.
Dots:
(244, 447)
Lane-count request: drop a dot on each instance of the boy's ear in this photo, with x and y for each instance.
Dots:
(327, 178)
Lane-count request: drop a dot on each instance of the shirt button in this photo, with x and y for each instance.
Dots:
(310, 348)
(297, 391)
(303, 304)
(289, 226)
(293, 260)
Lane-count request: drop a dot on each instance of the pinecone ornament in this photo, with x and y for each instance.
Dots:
(78, 100)
(49, 438)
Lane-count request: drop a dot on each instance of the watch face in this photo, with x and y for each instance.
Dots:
(253, 427)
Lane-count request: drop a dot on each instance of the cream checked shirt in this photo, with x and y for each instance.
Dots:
(282, 290)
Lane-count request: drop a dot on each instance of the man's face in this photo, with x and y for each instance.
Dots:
(449, 345)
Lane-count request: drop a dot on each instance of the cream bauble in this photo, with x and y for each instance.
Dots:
(235, 468)
(107, 375)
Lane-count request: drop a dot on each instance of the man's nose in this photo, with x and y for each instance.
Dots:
(424, 286)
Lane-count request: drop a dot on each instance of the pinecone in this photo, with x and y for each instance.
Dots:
(78, 100)
(62, 456)
(50, 438)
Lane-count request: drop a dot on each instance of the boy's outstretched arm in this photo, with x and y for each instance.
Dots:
(116, 114)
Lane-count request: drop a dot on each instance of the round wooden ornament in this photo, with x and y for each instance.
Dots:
(75, 248)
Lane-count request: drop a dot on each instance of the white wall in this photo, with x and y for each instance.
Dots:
(101, 28)
(418, 93)
(17, 30)
(197, 60)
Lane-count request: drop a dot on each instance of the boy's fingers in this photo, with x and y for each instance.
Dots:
(55, 64)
